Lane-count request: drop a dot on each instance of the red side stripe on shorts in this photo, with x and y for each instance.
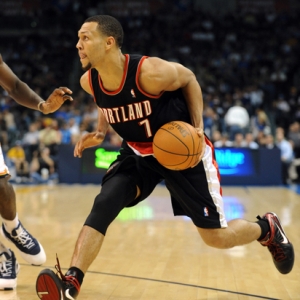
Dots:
(142, 148)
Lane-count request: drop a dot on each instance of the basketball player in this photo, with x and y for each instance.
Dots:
(136, 95)
(12, 229)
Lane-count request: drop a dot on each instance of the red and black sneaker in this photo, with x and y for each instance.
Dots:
(56, 286)
(278, 244)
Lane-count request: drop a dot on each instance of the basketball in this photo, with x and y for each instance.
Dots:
(177, 146)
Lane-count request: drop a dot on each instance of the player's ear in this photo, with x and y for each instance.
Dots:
(110, 41)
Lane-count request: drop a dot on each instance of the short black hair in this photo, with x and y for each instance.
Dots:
(109, 26)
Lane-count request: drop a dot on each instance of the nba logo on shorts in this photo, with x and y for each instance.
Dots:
(206, 213)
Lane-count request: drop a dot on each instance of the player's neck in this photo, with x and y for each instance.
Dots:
(111, 71)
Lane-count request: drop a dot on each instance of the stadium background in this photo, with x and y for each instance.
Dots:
(240, 50)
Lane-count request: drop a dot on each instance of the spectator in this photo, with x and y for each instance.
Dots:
(237, 120)
(287, 154)
(238, 140)
(10, 125)
(256, 96)
(249, 142)
(260, 123)
(294, 138)
(65, 133)
(16, 156)
(74, 128)
(42, 167)
(31, 140)
(210, 120)
(269, 142)
(282, 113)
(49, 135)
(223, 141)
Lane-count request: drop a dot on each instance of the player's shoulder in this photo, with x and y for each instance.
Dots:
(84, 77)
(85, 82)
(153, 64)
(154, 60)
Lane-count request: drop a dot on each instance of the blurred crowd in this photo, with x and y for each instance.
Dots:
(246, 63)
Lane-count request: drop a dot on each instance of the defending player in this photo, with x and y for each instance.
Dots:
(12, 229)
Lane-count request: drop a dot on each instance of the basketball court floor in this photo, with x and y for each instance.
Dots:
(150, 255)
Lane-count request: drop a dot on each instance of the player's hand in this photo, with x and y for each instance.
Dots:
(202, 137)
(88, 140)
(56, 100)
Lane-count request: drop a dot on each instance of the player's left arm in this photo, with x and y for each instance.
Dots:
(158, 75)
(24, 95)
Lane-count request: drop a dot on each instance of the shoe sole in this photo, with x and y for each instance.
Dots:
(48, 286)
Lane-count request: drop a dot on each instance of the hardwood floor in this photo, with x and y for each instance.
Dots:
(149, 254)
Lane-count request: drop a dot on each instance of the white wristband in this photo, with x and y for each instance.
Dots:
(39, 105)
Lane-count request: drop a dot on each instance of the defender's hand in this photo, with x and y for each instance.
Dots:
(55, 100)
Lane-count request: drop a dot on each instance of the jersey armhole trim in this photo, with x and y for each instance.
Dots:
(137, 80)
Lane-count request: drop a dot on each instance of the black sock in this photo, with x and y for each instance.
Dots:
(77, 273)
(265, 228)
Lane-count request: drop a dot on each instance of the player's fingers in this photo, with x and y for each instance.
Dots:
(61, 92)
(199, 132)
(77, 152)
(67, 97)
(76, 149)
(66, 90)
(202, 151)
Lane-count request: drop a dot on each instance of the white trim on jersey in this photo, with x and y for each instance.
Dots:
(214, 184)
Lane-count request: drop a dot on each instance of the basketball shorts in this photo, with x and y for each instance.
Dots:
(195, 192)
(3, 168)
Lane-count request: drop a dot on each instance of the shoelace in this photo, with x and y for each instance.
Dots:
(24, 239)
(276, 251)
(69, 280)
(6, 268)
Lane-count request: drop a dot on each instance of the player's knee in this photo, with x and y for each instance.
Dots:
(215, 237)
(114, 196)
(101, 214)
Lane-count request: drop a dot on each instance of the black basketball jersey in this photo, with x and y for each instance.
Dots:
(134, 114)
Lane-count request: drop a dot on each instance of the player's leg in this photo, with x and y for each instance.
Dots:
(238, 232)
(126, 183)
(268, 231)
(12, 229)
(199, 194)
(116, 193)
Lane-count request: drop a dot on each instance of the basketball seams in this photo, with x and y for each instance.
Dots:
(176, 136)
(169, 132)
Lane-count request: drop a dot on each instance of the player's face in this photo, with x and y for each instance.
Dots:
(90, 45)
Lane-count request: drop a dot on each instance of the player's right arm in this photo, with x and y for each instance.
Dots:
(158, 75)
(93, 138)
